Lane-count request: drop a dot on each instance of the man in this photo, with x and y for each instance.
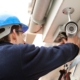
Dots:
(20, 61)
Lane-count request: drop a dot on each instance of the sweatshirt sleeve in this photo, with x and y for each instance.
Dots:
(37, 62)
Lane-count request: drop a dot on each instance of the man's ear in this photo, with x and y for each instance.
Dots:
(14, 34)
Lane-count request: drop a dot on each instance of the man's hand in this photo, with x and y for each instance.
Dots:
(74, 40)
(63, 41)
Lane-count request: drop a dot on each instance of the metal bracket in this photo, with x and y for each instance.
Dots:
(68, 11)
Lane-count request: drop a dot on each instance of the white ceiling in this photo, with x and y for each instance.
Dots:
(60, 18)
(55, 18)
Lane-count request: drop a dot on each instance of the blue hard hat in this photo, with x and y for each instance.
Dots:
(6, 19)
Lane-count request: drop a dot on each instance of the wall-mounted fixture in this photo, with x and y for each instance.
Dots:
(69, 29)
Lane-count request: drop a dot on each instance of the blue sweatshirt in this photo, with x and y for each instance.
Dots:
(27, 62)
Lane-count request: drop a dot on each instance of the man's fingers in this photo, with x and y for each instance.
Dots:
(64, 40)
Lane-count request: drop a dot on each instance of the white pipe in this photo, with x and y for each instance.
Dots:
(38, 15)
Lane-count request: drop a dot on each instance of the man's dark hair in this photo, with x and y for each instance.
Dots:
(6, 38)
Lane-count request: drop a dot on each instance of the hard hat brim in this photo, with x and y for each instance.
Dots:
(24, 27)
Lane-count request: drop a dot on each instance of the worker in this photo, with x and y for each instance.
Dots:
(21, 61)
